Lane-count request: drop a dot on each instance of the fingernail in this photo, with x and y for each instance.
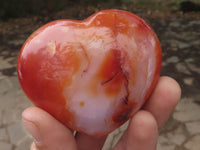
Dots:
(33, 129)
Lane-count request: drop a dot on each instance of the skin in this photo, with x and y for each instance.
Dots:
(141, 134)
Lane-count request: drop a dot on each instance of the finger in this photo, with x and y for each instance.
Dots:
(49, 134)
(33, 146)
(163, 100)
(161, 103)
(142, 133)
(86, 142)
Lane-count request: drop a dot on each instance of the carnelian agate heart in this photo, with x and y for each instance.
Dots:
(91, 75)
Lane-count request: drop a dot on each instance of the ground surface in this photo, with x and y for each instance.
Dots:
(180, 40)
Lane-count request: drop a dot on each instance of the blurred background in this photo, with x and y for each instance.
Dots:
(177, 24)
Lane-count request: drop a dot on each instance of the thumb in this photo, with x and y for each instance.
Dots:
(49, 134)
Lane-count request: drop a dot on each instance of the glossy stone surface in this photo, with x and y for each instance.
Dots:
(91, 75)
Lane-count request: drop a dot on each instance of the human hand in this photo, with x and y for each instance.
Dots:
(141, 134)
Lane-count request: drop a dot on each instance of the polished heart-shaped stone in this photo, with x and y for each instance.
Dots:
(91, 75)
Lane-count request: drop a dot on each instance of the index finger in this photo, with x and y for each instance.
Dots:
(163, 100)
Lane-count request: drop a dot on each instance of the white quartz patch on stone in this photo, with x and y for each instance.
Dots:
(51, 47)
